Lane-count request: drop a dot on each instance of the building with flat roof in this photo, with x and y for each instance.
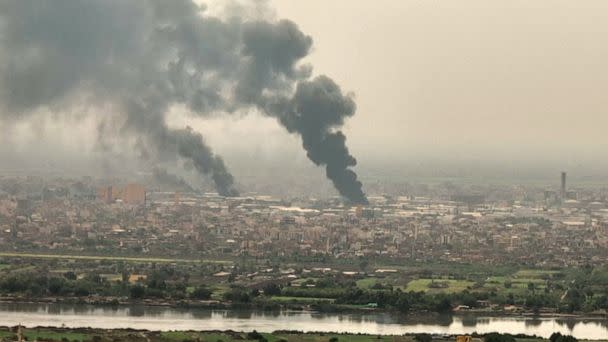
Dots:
(134, 194)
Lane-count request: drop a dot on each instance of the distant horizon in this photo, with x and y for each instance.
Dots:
(430, 172)
(440, 91)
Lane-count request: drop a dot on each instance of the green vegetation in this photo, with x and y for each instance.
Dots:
(7, 335)
(367, 283)
(113, 258)
(536, 274)
(412, 287)
(494, 337)
(118, 335)
(438, 285)
(558, 337)
(201, 292)
(46, 335)
(179, 336)
(188, 336)
(285, 299)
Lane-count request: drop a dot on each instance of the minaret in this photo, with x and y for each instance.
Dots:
(563, 188)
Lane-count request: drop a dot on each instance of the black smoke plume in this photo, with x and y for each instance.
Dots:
(316, 109)
(163, 178)
(141, 57)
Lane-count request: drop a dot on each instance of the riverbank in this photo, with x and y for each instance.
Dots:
(53, 334)
(327, 308)
(158, 318)
(329, 287)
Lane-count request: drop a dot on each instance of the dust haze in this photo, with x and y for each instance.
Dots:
(511, 90)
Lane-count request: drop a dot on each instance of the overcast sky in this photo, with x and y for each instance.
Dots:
(501, 81)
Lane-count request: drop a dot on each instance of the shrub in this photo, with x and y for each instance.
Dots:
(272, 289)
(201, 292)
(558, 337)
(495, 337)
(423, 338)
(254, 335)
(137, 292)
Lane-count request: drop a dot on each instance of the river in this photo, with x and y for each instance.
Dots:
(162, 318)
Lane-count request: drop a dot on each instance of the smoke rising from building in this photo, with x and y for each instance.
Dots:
(316, 108)
(165, 179)
(142, 57)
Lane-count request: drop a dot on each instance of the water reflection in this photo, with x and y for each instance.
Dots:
(202, 314)
(469, 320)
(533, 322)
(236, 314)
(382, 318)
(567, 322)
(139, 311)
(445, 320)
(53, 310)
(163, 318)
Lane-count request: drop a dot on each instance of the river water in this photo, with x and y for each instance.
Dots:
(162, 318)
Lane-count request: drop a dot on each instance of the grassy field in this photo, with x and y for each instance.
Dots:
(23, 269)
(286, 299)
(303, 280)
(218, 292)
(535, 274)
(51, 334)
(342, 338)
(7, 335)
(520, 281)
(100, 335)
(453, 285)
(366, 283)
(278, 337)
(112, 258)
(45, 335)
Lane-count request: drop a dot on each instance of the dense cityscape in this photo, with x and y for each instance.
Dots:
(303, 171)
(473, 248)
(523, 225)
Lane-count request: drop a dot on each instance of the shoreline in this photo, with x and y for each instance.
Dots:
(218, 305)
(56, 334)
(96, 334)
(167, 320)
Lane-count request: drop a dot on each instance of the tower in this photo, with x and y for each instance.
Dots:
(563, 188)
(176, 199)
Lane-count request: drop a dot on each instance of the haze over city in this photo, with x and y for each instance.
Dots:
(512, 90)
(319, 170)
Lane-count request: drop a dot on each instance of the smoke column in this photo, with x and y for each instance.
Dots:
(142, 57)
(164, 178)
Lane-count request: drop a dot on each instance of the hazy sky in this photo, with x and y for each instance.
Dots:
(501, 81)
(466, 78)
